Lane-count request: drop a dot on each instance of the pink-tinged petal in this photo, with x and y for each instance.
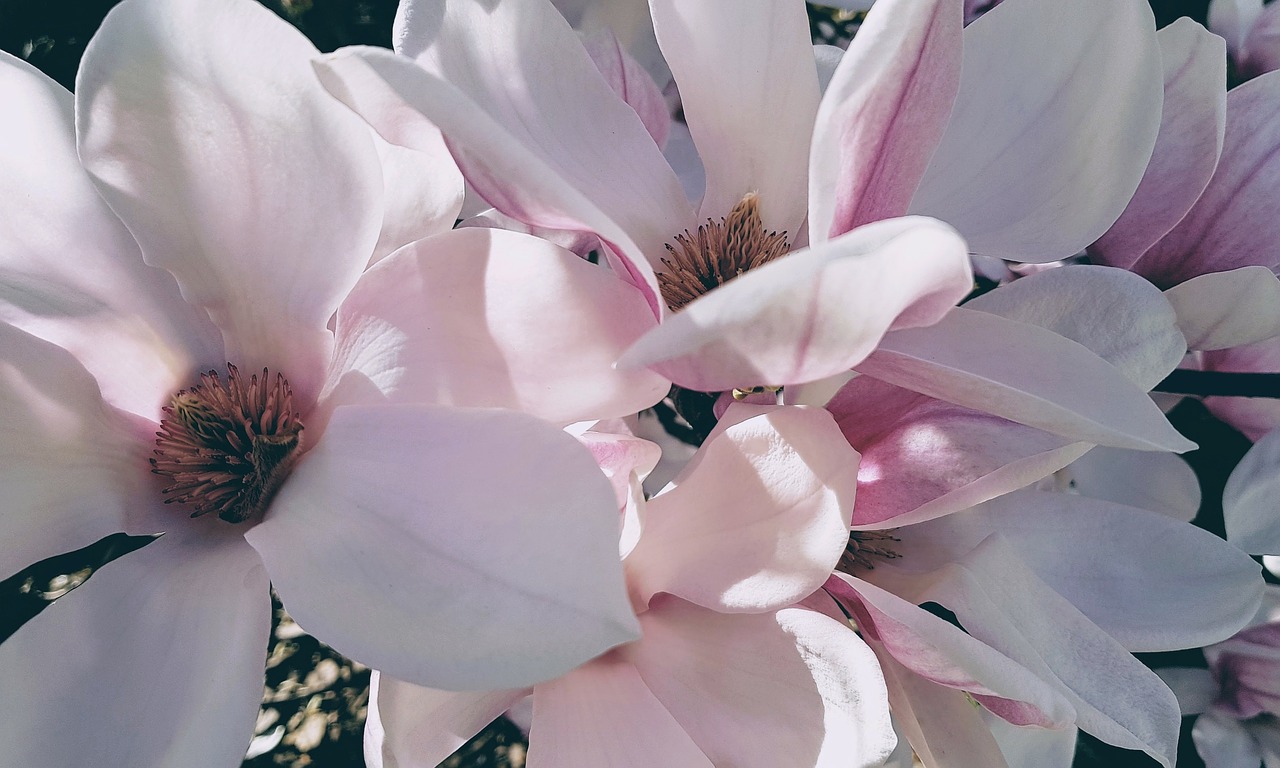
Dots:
(923, 458)
(944, 727)
(1187, 149)
(602, 715)
(430, 543)
(683, 157)
(581, 243)
(1194, 686)
(749, 91)
(1254, 416)
(1261, 52)
(883, 113)
(1249, 499)
(1228, 309)
(630, 81)
(69, 270)
(725, 678)
(1053, 126)
(484, 317)
(551, 187)
(1230, 226)
(942, 653)
(527, 71)
(204, 128)
(1027, 374)
(1114, 313)
(414, 727)
(1159, 482)
(621, 456)
(812, 313)
(1136, 571)
(422, 191)
(1002, 602)
(1232, 19)
(157, 660)
(70, 466)
(758, 518)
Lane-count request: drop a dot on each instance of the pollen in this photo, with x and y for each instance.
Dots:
(865, 548)
(718, 252)
(226, 447)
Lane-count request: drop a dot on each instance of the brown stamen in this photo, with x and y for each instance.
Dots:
(718, 252)
(863, 547)
(226, 448)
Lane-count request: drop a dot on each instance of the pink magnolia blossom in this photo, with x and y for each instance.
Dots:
(541, 136)
(202, 200)
(732, 669)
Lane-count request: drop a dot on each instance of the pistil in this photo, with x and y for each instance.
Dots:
(718, 252)
(227, 447)
(865, 548)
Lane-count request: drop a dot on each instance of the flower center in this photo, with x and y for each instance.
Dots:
(864, 548)
(718, 252)
(227, 447)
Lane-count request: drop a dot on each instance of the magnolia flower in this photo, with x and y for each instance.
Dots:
(1238, 697)
(731, 668)
(541, 135)
(1048, 630)
(187, 319)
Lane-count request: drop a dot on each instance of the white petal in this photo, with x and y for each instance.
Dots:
(1056, 118)
(430, 542)
(1195, 687)
(155, 661)
(204, 128)
(1225, 743)
(1160, 482)
(749, 90)
(1249, 499)
(1227, 309)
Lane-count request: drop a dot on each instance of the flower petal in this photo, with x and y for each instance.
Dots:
(414, 727)
(1114, 313)
(157, 658)
(725, 678)
(1133, 572)
(758, 518)
(1248, 500)
(1225, 743)
(923, 458)
(70, 466)
(430, 543)
(204, 128)
(883, 114)
(602, 715)
(942, 653)
(1227, 309)
(1000, 601)
(1194, 686)
(484, 317)
(1159, 482)
(749, 91)
(1254, 416)
(812, 313)
(1053, 126)
(1187, 149)
(1230, 225)
(422, 190)
(1026, 374)
(69, 270)
(1232, 19)
(630, 81)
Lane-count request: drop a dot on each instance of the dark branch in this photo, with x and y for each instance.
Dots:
(1221, 383)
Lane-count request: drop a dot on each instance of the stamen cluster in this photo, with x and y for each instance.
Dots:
(718, 252)
(864, 547)
(226, 448)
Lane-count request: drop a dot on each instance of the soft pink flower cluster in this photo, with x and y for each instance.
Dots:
(401, 320)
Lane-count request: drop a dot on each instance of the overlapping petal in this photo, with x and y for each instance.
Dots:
(392, 537)
(1228, 309)
(1248, 500)
(1160, 482)
(484, 317)
(181, 136)
(813, 313)
(1054, 123)
(883, 114)
(157, 660)
(749, 92)
(758, 518)
(1254, 416)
